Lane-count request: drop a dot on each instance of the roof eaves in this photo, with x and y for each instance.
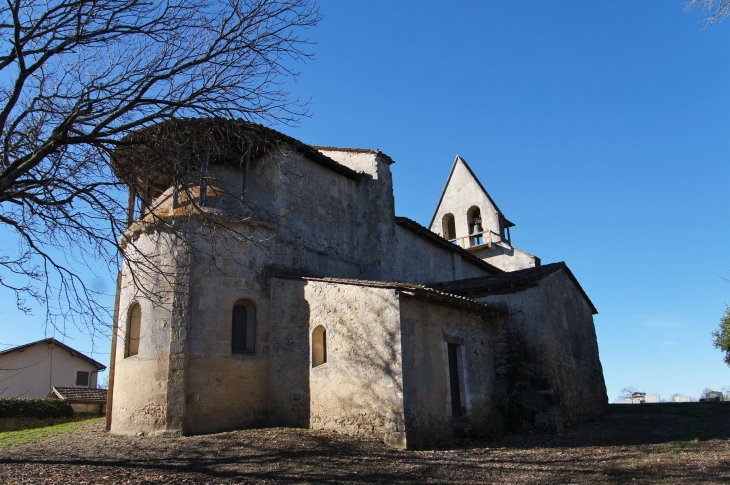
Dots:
(387, 159)
(580, 288)
(418, 291)
(511, 281)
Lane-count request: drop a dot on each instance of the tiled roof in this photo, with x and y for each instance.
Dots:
(53, 341)
(484, 285)
(420, 230)
(228, 135)
(385, 157)
(407, 288)
(80, 394)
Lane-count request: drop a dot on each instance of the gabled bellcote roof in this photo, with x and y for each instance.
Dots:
(457, 161)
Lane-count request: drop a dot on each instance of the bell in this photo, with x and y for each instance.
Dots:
(476, 229)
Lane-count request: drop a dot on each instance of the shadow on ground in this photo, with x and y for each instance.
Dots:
(668, 443)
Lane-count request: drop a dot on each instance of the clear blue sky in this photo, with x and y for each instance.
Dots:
(600, 129)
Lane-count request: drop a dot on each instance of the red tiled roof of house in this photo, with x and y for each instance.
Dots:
(80, 394)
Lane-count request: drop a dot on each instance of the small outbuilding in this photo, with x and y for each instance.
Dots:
(81, 400)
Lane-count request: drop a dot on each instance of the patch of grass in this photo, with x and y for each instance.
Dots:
(634, 463)
(15, 438)
(678, 445)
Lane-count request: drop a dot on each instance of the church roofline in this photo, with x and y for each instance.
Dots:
(511, 281)
(424, 232)
(231, 137)
(417, 291)
(443, 192)
(377, 151)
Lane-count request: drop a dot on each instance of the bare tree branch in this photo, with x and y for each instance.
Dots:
(77, 79)
(718, 10)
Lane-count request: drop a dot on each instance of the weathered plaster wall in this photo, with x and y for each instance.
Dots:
(418, 260)
(359, 389)
(506, 257)
(427, 394)
(31, 372)
(225, 390)
(576, 373)
(140, 400)
(289, 398)
(313, 229)
(374, 212)
(525, 347)
(540, 384)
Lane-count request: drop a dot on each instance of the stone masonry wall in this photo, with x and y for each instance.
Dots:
(425, 326)
(359, 389)
(541, 384)
(575, 367)
(418, 260)
(141, 381)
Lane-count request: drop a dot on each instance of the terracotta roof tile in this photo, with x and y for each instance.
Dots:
(80, 393)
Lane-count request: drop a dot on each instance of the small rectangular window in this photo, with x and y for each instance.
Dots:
(242, 328)
(456, 410)
(82, 378)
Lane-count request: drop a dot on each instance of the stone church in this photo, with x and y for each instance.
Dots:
(292, 295)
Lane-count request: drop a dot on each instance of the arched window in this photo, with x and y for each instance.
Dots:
(449, 227)
(573, 329)
(474, 219)
(319, 346)
(243, 328)
(134, 324)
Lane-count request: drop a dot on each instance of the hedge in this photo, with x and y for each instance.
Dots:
(34, 408)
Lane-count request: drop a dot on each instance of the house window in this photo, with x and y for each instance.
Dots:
(573, 329)
(243, 328)
(82, 378)
(133, 329)
(456, 409)
(449, 227)
(319, 346)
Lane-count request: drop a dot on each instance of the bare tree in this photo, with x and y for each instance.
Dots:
(77, 78)
(626, 393)
(718, 10)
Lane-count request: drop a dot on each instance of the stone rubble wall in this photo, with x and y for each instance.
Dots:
(540, 383)
(427, 394)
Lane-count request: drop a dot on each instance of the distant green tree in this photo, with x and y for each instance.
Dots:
(721, 336)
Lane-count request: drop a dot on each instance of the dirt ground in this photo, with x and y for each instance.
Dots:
(662, 443)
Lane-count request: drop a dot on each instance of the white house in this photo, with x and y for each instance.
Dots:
(32, 369)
